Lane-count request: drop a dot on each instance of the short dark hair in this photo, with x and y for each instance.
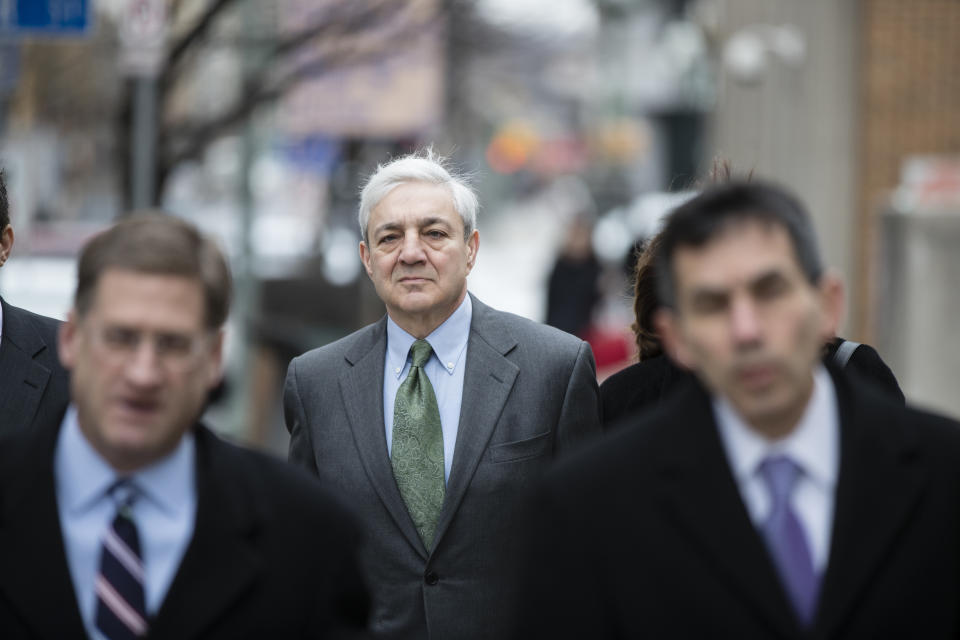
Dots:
(703, 218)
(4, 202)
(160, 244)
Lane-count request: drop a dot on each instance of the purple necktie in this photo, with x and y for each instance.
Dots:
(785, 538)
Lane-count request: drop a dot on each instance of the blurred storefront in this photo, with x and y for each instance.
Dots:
(917, 299)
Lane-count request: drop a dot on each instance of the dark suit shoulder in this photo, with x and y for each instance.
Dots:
(31, 332)
(351, 346)
(534, 329)
(877, 417)
(492, 323)
(277, 489)
(639, 386)
(937, 434)
(867, 364)
(624, 456)
(46, 325)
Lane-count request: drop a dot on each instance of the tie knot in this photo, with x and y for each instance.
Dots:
(780, 474)
(124, 493)
(421, 351)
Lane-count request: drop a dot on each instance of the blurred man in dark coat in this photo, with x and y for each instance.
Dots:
(772, 498)
(127, 518)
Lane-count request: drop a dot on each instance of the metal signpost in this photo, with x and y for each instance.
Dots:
(143, 33)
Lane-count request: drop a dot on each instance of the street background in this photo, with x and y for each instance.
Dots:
(580, 122)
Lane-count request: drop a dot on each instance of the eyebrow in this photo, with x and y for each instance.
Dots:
(766, 276)
(389, 226)
(429, 222)
(422, 223)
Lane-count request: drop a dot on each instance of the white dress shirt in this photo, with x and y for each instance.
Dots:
(164, 512)
(814, 446)
(445, 370)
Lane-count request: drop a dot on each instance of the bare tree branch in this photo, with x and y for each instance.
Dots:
(195, 33)
(260, 91)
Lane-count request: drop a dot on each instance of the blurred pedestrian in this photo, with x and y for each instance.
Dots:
(129, 519)
(573, 287)
(771, 497)
(33, 384)
(433, 420)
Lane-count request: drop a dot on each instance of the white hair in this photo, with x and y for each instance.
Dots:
(421, 166)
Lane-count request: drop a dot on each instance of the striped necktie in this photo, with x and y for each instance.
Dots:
(121, 608)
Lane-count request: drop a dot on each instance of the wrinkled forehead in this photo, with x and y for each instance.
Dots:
(415, 204)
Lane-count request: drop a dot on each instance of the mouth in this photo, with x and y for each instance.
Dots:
(757, 377)
(138, 407)
(413, 280)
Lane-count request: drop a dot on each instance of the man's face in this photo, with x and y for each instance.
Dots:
(142, 363)
(417, 257)
(749, 322)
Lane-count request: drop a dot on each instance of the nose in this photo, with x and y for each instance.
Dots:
(745, 324)
(144, 368)
(411, 251)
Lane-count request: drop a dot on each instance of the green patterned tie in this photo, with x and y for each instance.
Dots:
(417, 453)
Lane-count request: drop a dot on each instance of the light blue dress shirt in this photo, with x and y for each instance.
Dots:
(444, 368)
(165, 513)
(814, 445)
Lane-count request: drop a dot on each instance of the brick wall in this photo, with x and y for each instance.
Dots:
(909, 103)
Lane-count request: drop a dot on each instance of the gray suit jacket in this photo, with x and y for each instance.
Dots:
(530, 392)
(34, 387)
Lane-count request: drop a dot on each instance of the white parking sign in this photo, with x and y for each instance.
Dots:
(143, 33)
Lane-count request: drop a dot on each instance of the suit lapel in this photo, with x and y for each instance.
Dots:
(487, 382)
(361, 386)
(22, 379)
(221, 563)
(33, 571)
(879, 486)
(700, 495)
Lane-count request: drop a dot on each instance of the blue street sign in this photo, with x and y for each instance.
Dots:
(38, 17)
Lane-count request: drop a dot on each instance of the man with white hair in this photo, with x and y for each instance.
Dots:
(433, 420)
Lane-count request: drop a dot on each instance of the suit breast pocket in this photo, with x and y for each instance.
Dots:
(520, 449)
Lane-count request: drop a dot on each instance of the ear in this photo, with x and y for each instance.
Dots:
(668, 329)
(473, 245)
(215, 360)
(365, 258)
(832, 303)
(6, 243)
(67, 338)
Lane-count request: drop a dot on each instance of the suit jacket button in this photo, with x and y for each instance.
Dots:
(431, 578)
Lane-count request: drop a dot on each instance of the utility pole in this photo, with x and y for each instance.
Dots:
(143, 38)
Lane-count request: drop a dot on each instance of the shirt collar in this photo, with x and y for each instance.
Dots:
(83, 476)
(813, 444)
(448, 341)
